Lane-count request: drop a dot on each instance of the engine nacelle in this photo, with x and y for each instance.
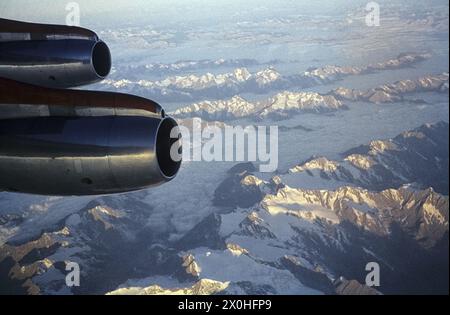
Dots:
(86, 155)
(52, 55)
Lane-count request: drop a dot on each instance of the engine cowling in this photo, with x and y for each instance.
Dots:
(76, 142)
(86, 155)
(52, 55)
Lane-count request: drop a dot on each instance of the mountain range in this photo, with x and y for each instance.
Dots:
(195, 87)
(302, 232)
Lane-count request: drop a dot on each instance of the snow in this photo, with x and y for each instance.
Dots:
(300, 203)
(39, 212)
(433, 215)
(235, 249)
(226, 267)
(360, 161)
(321, 163)
(238, 107)
(202, 287)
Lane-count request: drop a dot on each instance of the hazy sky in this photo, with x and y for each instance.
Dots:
(98, 13)
(54, 10)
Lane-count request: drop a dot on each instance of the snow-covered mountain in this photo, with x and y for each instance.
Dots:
(280, 106)
(337, 232)
(194, 87)
(269, 236)
(332, 73)
(394, 92)
(285, 104)
(160, 69)
(418, 157)
(309, 241)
